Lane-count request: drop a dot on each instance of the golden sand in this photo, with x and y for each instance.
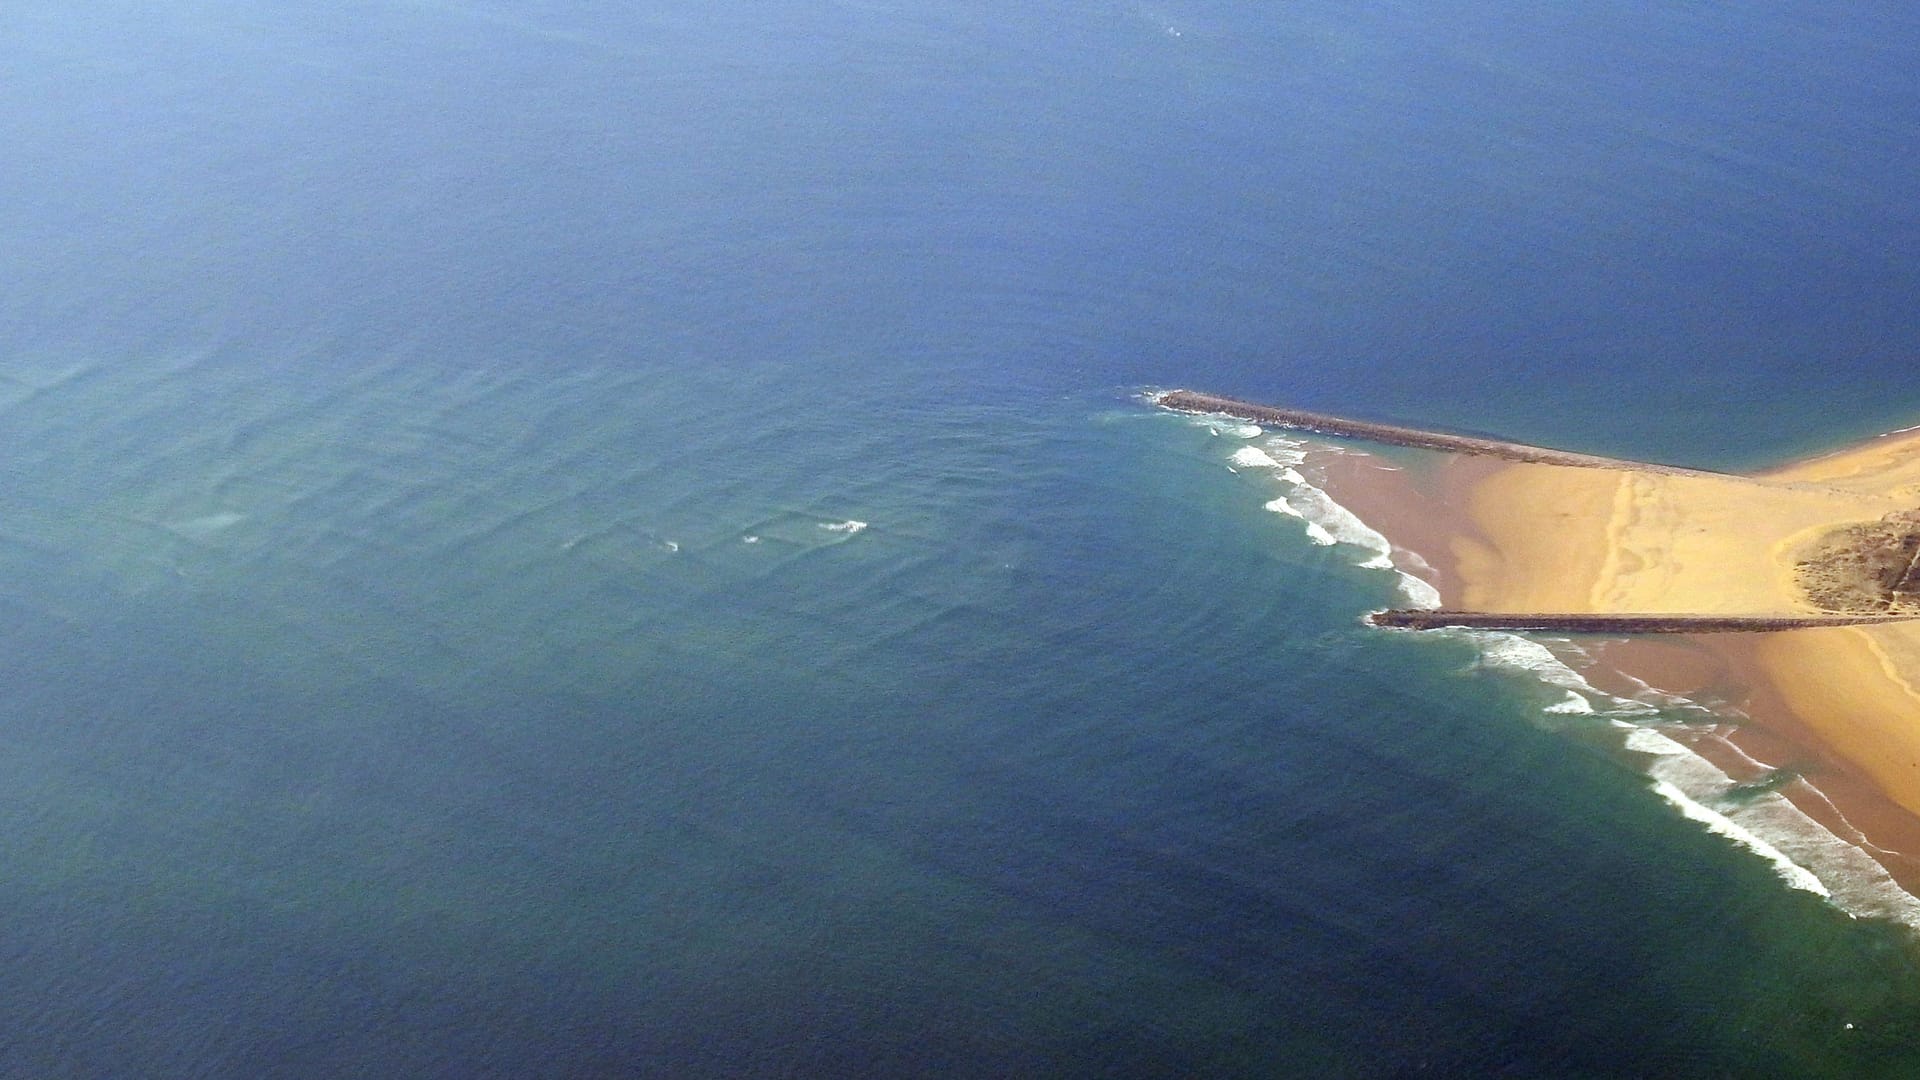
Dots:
(1553, 538)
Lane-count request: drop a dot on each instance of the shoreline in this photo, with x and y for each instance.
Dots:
(1809, 802)
(1754, 736)
(1757, 739)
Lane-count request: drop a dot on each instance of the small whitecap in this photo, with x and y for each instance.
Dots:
(203, 528)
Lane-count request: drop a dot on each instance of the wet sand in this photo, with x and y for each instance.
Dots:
(1831, 706)
(1829, 717)
(1754, 735)
(1689, 544)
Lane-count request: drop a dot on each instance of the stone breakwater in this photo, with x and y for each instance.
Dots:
(1191, 401)
(1618, 623)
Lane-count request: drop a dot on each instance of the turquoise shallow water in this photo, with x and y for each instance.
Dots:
(581, 539)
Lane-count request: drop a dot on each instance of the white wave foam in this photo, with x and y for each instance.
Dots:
(1221, 424)
(1416, 561)
(1525, 656)
(1858, 885)
(849, 526)
(1229, 427)
(1282, 463)
(1328, 522)
(1287, 451)
(1647, 741)
(1803, 853)
(1252, 457)
(1419, 592)
(1573, 705)
(1792, 873)
(1344, 526)
(1315, 531)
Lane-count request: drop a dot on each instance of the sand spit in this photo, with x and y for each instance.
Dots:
(1797, 583)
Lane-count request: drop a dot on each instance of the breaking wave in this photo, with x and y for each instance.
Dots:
(1524, 656)
(1327, 522)
(1804, 853)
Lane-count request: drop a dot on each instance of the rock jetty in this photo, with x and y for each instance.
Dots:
(1191, 401)
(1618, 623)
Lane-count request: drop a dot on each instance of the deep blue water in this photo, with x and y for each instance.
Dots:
(436, 642)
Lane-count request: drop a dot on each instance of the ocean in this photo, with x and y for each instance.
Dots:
(586, 539)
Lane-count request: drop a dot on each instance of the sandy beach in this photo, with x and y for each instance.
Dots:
(1550, 538)
(1836, 706)
(1827, 717)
